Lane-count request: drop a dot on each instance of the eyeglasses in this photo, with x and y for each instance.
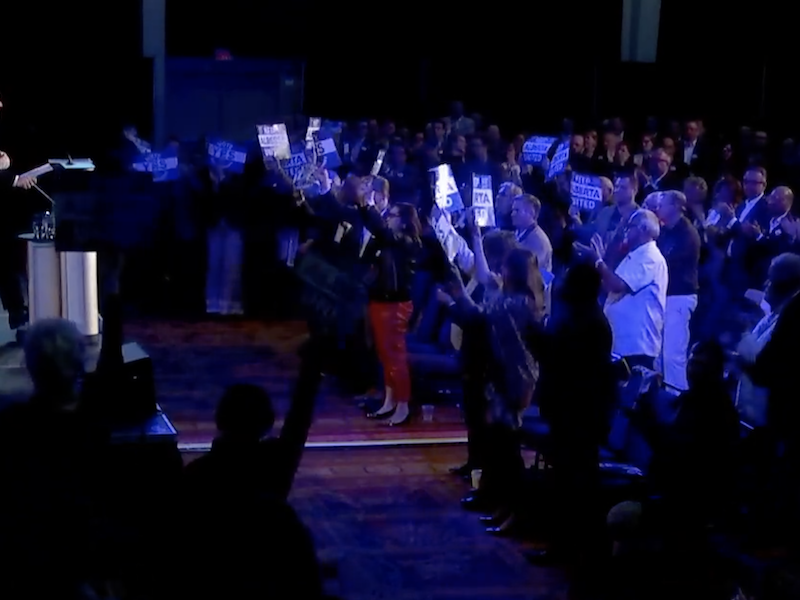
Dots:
(393, 215)
(754, 181)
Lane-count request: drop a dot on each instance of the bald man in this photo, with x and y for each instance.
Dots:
(781, 234)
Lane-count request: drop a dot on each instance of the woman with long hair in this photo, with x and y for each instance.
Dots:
(511, 378)
(398, 246)
(392, 256)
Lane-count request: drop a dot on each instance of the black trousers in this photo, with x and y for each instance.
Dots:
(474, 407)
(503, 468)
(577, 513)
(10, 281)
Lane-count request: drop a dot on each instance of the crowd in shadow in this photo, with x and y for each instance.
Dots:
(85, 515)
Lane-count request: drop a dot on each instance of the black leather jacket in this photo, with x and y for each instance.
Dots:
(393, 259)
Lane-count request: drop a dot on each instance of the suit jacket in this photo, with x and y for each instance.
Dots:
(768, 246)
(702, 160)
(536, 240)
(670, 181)
(740, 271)
(332, 216)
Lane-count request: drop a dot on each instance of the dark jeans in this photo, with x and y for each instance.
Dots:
(503, 469)
(474, 406)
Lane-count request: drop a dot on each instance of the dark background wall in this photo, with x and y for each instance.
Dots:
(69, 74)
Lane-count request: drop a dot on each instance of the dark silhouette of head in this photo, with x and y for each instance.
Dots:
(245, 412)
(581, 285)
(706, 364)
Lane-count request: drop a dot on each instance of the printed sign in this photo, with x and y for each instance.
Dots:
(536, 148)
(586, 191)
(445, 233)
(293, 166)
(314, 124)
(483, 200)
(560, 161)
(325, 149)
(163, 165)
(227, 155)
(376, 168)
(274, 141)
(446, 191)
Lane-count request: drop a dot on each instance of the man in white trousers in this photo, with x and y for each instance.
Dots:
(679, 242)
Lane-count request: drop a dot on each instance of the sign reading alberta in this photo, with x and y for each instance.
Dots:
(586, 191)
(274, 141)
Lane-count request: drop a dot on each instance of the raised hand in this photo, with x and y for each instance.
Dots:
(598, 245)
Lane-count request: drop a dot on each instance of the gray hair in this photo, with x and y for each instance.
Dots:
(647, 221)
(55, 354)
(654, 198)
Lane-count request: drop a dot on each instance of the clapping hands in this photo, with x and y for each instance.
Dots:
(595, 251)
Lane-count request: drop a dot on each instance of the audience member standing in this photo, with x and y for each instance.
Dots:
(222, 199)
(637, 290)
(679, 242)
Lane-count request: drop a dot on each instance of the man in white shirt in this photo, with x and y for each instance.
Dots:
(637, 290)
(524, 217)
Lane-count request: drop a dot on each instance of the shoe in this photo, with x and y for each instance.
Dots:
(542, 557)
(371, 406)
(477, 502)
(464, 471)
(405, 421)
(377, 416)
(507, 528)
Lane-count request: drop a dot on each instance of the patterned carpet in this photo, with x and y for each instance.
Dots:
(390, 519)
(194, 362)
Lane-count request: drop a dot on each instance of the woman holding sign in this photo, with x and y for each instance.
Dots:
(396, 250)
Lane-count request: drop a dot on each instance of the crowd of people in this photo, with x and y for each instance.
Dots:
(686, 274)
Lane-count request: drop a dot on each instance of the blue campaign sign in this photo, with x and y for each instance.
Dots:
(445, 189)
(586, 191)
(293, 165)
(560, 160)
(483, 200)
(536, 148)
(227, 155)
(163, 165)
(325, 148)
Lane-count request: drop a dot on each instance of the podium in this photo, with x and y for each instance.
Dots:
(62, 284)
(62, 274)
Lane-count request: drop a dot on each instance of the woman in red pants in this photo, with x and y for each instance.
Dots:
(393, 254)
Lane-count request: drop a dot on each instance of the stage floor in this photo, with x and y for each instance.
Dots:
(195, 361)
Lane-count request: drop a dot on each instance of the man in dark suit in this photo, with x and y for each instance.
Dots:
(744, 225)
(781, 235)
(10, 285)
(694, 156)
(660, 176)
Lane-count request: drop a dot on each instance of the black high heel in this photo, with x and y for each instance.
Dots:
(379, 416)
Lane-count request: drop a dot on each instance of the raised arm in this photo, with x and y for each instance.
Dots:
(483, 274)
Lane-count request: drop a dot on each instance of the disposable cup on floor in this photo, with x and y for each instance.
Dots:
(427, 413)
(476, 475)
